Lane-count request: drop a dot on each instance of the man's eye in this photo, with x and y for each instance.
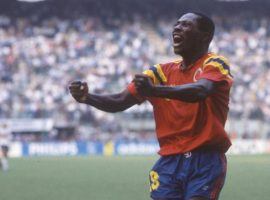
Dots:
(185, 24)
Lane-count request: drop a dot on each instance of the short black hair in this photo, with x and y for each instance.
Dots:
(206, 24)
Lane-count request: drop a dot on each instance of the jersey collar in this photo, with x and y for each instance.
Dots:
(192, 64)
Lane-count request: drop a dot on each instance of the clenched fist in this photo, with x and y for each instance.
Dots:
(143, 84)
(79, 91)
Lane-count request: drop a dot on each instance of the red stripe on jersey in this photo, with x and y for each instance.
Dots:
(220, 181)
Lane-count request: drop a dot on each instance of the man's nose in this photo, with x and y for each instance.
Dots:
(178, 27)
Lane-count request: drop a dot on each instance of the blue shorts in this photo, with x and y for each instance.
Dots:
(182, 176)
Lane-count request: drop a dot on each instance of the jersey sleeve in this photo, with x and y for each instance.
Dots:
(157, 76)
(216, 68)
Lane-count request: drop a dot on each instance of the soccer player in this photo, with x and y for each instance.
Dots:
(5, 137)
(190, 100)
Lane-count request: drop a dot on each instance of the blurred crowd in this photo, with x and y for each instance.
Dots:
(38, 60)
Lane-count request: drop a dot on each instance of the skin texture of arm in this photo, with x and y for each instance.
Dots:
(193, 92)
(109, 103)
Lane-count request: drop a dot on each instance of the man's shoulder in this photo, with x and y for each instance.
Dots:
(170, 65)
(213, 57)
(172, 62)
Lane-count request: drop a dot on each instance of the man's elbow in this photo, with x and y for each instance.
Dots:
(204, 92)
(195, 98)
(201, 96)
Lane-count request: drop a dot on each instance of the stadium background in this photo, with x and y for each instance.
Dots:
(45, 45)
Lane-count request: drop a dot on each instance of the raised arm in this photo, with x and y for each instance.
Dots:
(109, 103)
(192, 92)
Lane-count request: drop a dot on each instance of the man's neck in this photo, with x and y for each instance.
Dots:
(190, 59)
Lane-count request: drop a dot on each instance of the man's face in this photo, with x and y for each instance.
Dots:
(186, 35)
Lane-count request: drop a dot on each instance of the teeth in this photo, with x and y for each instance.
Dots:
(177, 36)
(177, 44)
(178, 40)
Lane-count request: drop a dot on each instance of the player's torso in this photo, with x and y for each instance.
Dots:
(176, 76)
(183, 126)
(5, 137)
(174, 116)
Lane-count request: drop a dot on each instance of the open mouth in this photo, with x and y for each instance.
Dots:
(177, 40)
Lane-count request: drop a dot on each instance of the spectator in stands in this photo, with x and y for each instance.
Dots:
(38, 56)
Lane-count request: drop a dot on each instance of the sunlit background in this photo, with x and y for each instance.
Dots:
(62, 150)
(47, 44)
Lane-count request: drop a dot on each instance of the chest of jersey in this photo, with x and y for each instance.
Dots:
(176, 76)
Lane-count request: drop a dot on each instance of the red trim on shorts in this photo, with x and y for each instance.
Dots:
(220, 181)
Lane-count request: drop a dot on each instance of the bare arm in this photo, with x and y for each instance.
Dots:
(192, 92)
(108, 103)
(111, 103)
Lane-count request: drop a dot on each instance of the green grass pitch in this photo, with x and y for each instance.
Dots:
(117, 178)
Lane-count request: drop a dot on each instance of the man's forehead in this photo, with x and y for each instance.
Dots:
(188, 17)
